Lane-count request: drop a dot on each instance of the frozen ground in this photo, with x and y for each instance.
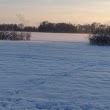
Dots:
(59, 37)
(54, 76)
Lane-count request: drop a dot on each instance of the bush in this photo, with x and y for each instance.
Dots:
(12, 35)
(100, 37)
(99, 40)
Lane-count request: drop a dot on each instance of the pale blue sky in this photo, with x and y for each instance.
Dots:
(32, 12)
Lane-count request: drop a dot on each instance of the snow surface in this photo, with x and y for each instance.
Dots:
(59, 37)
(54, 76)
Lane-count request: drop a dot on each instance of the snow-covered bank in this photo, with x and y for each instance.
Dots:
(54, 76)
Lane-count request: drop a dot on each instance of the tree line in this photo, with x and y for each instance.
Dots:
(69, 28)
(17, 27)
(46, 26)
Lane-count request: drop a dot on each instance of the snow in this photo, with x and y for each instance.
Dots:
(54, 75)
(59, 37)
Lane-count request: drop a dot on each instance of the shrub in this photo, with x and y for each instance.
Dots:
(12, 35)
(101, 36)
(99, 40)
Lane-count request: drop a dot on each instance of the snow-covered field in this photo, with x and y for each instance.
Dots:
(58, 75)
(59, 37)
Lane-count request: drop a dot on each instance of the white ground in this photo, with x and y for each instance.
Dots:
(54, 76)
(59, 37)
